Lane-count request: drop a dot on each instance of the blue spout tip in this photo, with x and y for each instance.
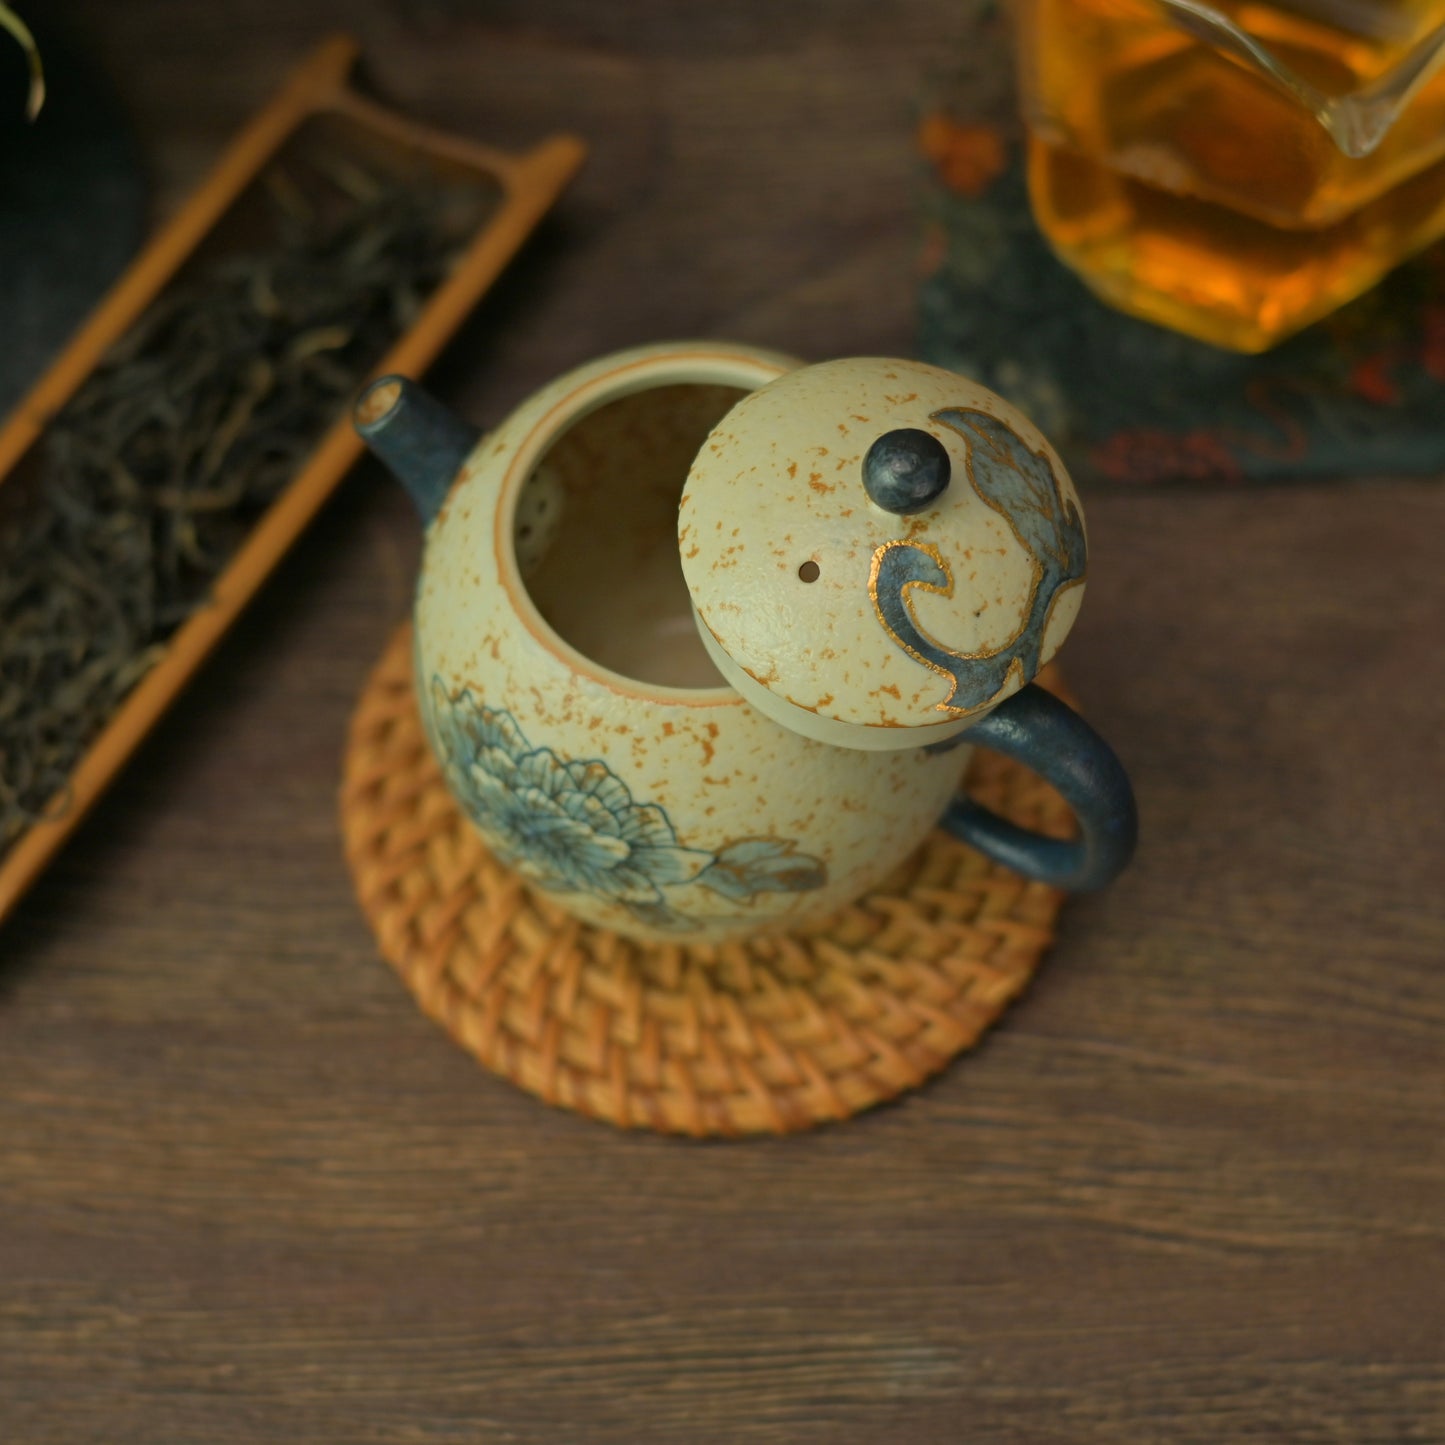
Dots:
(376, 404)
(420, 441)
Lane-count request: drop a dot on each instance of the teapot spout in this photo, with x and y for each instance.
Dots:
(422, 443)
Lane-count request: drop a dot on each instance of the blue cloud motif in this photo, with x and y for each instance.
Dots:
(1021, 487)
(574, 827)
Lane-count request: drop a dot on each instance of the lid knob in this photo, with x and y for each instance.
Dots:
(906, 471)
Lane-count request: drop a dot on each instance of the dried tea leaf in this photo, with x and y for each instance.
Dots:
(10, 21)
(161, 463)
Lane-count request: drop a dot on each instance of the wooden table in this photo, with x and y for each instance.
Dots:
(1192, 1189)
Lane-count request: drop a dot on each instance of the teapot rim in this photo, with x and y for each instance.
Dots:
(584, 391)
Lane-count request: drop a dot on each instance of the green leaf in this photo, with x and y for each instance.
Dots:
(750, 866)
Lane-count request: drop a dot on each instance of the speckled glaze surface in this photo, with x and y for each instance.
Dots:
(858, 625)
(577, 716)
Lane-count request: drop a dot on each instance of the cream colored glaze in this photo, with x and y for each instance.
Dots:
(780, 483)
(721, 770)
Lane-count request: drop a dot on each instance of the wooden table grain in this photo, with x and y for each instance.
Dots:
(1191, 1190)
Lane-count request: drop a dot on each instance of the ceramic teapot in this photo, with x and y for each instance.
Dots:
(703, 636)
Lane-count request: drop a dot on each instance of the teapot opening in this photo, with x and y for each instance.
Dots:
(595, 533)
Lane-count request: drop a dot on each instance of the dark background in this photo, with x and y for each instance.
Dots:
(1190, 1190)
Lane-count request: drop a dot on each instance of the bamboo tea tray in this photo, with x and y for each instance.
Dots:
(521, 188)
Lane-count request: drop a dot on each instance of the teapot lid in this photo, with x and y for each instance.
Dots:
(879, 552)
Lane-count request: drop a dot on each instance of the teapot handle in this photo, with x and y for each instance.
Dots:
(1034, 728)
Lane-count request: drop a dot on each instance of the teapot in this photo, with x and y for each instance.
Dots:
(704, 637)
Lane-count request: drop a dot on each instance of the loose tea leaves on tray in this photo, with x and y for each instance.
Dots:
(153, 474)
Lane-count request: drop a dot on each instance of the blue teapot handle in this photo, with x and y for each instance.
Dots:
(1034, 728)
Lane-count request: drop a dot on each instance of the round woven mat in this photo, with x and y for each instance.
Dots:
(768, 1036)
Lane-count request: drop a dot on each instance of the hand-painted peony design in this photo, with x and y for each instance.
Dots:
(574, 827)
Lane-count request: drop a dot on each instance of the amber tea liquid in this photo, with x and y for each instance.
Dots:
(1186, 172)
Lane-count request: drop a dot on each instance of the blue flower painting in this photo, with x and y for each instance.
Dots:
(574, 827)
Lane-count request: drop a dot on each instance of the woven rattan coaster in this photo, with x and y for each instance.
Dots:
(769, 1036)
